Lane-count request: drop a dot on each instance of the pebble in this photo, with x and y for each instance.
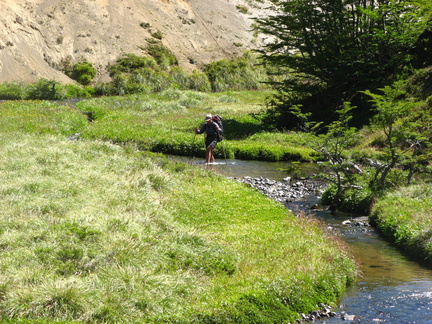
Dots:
(284, 191)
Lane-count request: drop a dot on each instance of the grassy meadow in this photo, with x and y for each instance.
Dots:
(165, 122)
(94, 231)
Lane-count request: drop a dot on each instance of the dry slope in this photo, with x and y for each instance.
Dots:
(37, 35)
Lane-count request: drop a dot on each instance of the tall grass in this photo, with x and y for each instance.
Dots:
(94, 232)
(165, 122)
(81, 226)
(403, 216)
(40, 117)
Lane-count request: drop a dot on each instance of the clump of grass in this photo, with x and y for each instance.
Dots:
(404, 217)
(242, 73)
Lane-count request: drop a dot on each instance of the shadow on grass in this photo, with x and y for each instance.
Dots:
(237, 130)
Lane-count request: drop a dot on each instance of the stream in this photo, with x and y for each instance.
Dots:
(392, 288)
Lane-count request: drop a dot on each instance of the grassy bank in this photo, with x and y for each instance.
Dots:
(165, 122)
(96, 232)
(404, 218)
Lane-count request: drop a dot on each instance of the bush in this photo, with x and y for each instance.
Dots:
(131, 62)
(352, 200)
(199, 81)
(163, 56)
(83, 72)
(160, 71)
(75, 91)
(11, 91)
(46, 90)
(242, 73)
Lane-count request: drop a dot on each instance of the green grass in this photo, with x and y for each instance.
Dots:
(404, 217)
(41, 117)
(165, 122)
(92, 231)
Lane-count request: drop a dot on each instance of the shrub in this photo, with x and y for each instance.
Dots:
(75, 91)
(357, 201)
(83, 72)
(11, 91)
(131, 62)
(242, 73)
(157, 34)
(163, 56)
(46, 90)
(199, 81)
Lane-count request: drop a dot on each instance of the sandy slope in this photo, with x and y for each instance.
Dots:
(37, 35)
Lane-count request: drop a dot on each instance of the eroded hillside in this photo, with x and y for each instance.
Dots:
(36, 36)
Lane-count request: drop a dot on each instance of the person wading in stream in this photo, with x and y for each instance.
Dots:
(212, 130)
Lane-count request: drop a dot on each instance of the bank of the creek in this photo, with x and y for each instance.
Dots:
(392, 288)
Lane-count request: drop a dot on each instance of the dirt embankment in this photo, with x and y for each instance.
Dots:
(36, 36)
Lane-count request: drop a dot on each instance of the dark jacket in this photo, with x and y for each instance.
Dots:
(210, 130)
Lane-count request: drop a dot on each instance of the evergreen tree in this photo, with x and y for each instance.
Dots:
(341, 46)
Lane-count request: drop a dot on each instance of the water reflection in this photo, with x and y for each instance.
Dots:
(392, 288)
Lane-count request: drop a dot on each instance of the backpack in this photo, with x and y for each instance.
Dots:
(218, 120)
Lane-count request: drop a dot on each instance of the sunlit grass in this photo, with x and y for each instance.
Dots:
(95, 232)
(165, 122)
(42, 117)
(404, 216)
(80, 215)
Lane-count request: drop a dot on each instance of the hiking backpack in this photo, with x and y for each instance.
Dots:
(218, 120)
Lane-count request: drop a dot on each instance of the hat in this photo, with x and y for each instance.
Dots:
(208, 117)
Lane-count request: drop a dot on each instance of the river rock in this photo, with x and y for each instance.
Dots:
(284, 191)
(347, 317)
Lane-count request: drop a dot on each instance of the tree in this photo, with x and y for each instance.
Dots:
(333, 145)
(340, 45)
(407, 134)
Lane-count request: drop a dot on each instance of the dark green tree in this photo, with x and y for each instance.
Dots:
(337, 47)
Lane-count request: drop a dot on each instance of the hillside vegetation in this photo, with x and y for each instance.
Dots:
(39, 38)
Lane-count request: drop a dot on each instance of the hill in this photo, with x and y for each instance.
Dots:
(37, 36)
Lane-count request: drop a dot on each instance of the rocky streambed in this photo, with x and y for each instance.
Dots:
(392, 288)
(289, 191)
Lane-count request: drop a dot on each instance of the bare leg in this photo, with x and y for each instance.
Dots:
(212, 159)
(210, 154)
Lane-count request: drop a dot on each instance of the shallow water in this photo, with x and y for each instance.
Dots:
(392, 288)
